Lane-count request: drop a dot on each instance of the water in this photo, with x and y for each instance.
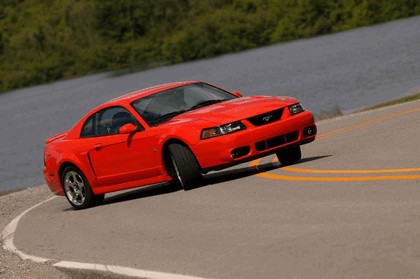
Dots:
(351, 70)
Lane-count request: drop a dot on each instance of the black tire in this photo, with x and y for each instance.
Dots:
(289, 156)
(186, 170)
(77, 189)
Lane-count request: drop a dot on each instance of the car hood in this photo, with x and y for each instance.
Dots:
(235, 109)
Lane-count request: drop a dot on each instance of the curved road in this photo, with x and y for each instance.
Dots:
(349, 209)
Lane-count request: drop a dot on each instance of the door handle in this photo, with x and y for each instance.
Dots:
(98, 146)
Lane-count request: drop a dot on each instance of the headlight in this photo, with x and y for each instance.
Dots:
(222, 130)
(296, 108)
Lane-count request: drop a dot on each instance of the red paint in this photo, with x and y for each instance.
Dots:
(132, 158)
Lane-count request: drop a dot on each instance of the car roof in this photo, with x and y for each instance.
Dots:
(130, 97)
(127, 99)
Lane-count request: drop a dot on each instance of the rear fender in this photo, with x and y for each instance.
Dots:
(69, 159)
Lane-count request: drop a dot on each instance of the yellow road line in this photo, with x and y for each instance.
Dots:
(302, 170)
(366, 123)
(337, 179)
(343, 130)
(255, 164)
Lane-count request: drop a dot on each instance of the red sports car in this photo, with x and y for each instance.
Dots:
(171, 133)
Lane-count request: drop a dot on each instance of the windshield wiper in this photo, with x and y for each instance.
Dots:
(165, 117)
(206, 103)
(169, 116)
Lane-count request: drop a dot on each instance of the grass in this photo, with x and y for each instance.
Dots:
(395, 102)
(8, 192)
(82, 274)
(335, 112)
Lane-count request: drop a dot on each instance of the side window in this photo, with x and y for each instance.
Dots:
(108, 122)
(88, 129)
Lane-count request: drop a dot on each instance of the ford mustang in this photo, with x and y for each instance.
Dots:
(171, 133)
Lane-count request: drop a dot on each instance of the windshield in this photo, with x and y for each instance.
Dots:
(161, 107)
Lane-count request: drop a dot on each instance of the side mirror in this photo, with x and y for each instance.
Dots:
(237, 94)
(128, 128)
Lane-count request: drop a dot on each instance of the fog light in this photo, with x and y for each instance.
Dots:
(239, 152)
(309, 131)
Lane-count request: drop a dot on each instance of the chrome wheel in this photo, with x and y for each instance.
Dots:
(75, 188)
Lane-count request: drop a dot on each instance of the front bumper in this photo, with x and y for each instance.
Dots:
(254, 142)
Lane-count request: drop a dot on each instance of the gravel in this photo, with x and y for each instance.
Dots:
(11, 265)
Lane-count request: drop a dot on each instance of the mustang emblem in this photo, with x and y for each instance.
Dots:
(267, 118)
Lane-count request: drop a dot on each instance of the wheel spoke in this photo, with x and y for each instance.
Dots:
(74, 188)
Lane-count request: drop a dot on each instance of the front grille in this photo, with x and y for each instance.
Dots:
(276, 141)
(266, 118)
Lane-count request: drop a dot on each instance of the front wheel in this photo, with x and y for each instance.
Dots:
(77, 189)
(289, 156)
(185, 166)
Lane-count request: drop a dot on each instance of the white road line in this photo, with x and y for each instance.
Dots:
(127, 271)
(9, 231)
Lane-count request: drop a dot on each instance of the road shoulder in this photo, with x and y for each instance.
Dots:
(11, 265)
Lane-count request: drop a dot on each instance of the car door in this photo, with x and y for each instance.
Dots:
(117, 158)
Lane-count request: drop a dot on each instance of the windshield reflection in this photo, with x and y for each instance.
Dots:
(158, 108)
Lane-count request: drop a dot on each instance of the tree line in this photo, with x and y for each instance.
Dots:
(47, 40)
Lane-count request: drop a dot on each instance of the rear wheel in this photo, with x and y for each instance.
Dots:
(77, 189)
(289, 156)
(186, 169)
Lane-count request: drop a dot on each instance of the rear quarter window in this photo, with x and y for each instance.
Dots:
(107, 122)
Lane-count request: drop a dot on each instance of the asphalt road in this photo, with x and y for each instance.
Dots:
(348, 70)
(349, 209)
